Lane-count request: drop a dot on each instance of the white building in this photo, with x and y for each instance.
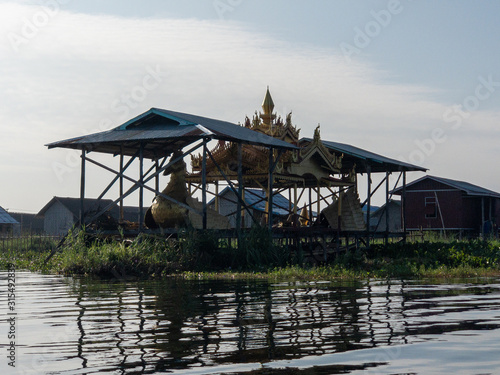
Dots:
(61, 214)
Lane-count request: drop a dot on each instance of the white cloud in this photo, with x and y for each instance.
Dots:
(75, 73)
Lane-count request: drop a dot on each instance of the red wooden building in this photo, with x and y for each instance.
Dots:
(436, 203)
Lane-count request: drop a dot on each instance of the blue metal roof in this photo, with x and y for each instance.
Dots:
(363, 158)
(256, 198)
(163, 131)
(466, 187)
(5, 218)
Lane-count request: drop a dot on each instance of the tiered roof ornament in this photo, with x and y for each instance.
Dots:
(268, 106)
(269, 123)
(311, 165)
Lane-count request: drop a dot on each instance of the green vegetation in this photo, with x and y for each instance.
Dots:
(204, 255)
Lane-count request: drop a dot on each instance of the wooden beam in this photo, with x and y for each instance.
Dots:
(240, 189)
(117, 177)
(141, 188)
(138, 184)
(204, 184)
(375, 190)
(387, 207)
(121, 184)
(82, 189)
(231, 185)
(482, 217)
(368, 200)
(403, 207)
(272, 165)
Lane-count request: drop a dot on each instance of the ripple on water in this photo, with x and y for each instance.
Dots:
(74, 326)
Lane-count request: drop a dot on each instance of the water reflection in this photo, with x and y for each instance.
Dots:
(86, 326)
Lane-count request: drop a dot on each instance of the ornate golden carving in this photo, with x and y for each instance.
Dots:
(256, 159)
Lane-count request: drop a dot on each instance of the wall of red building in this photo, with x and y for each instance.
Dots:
(449, 210)
(496, 210)
(472, 217)
(457, 210)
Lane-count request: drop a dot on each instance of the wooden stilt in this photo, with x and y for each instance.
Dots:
(204, 184)
(141, 188)
(368, 207)
(121, 182)
(82, 190)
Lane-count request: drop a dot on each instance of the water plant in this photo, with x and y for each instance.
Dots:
(195, 254)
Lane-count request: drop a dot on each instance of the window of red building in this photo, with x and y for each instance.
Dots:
(430, 208)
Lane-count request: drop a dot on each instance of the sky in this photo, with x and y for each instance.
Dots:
(417, 81)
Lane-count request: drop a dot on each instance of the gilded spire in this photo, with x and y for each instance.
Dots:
(268, 107)
(268, 104)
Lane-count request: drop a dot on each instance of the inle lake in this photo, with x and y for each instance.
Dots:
(88, 326)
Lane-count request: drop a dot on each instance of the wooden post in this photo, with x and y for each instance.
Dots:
(243, 222)
(217, 196)
(270, 189)
(318, 207)
(157, 176)
(295, 201)
(482, 217)
(240, 190)
(310, 207)
(387, 208)
(82, 190)
(121, 184)
(204, 184)
(339, 217)
(368, 205)
(141, 188)
(490, 205)
(403, 207)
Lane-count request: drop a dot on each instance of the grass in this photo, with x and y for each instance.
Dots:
(198, 255)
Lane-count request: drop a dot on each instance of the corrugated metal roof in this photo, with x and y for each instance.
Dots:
(91, 205)
(5, 218)
(256, 198)
(73, 205)
(468, 188)
(164, 131)
(363, 158)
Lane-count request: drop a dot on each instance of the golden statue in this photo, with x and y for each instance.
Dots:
(164, 213)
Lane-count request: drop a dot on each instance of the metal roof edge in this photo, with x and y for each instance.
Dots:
(265, 140)
(136, 118)
(41, 213)
(180, 120)
(155, 111)
(307, 139)
(455, 184)
(372, 157)
(249, 190)
(235, 133)
(9, 217)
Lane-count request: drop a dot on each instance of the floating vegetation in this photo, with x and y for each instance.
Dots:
(199, 255)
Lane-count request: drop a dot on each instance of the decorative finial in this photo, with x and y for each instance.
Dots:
(317, 136)
(268, 104)
(268, 107)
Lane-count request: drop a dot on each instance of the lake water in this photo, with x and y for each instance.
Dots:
(82, 326)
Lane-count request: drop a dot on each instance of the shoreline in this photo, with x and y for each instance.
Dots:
(153, 260)
(198, 256)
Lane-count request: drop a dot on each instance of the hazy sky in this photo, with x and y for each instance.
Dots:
(414, 80)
